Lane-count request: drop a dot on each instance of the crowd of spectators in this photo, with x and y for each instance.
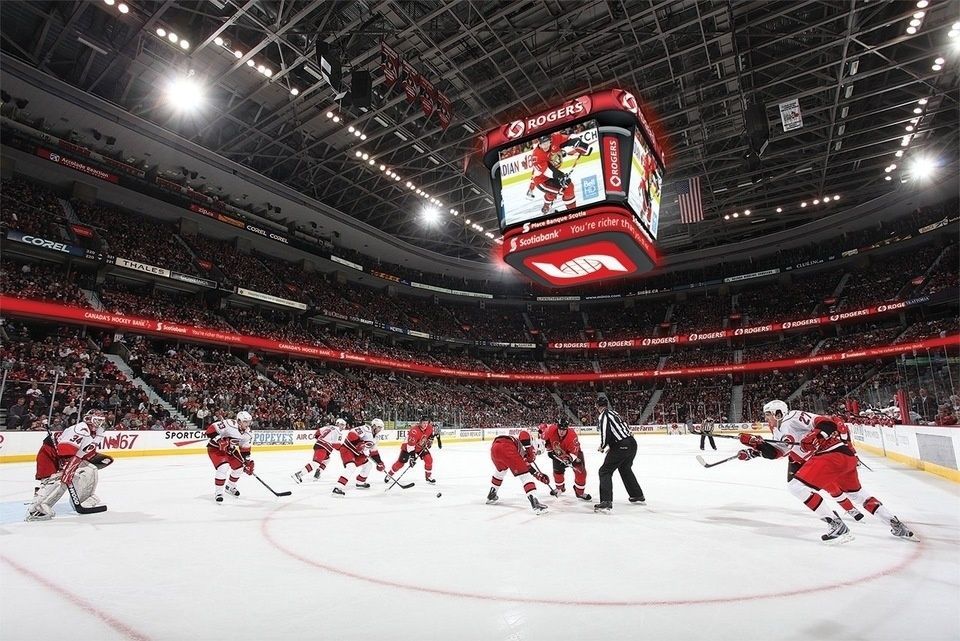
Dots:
(149, 302)
(774, 301)
(883, 279)
(30, 208)
(40, 281)
(135, 237)
(615, 321)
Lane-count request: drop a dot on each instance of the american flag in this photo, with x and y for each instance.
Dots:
(691, 209)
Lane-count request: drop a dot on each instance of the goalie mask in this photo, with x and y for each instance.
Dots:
(95, 419)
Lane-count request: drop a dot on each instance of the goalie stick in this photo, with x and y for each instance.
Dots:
(703, 462)
(75, 500)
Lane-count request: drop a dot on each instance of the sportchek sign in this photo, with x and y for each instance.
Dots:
(605, 242)
(724, 334)
(21, 307)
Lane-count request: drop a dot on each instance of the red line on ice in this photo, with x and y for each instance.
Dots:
(84, 605)
(265, 530)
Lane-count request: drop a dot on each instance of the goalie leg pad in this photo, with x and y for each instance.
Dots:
(47, 496)
(85, 483)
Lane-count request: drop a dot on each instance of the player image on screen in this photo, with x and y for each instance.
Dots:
(555, 172)
(646, 182)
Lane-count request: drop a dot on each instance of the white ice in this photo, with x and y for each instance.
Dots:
(720, 553)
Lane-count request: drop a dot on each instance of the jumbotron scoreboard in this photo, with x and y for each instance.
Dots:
(577, 190)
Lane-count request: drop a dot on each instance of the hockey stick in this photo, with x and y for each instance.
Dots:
(75, 500)
(702, 462)
(396, 481)
(553, 491)
(765, 440)
(262, 482)
(860, 462)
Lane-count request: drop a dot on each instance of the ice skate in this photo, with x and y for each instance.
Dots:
(839, 532)
(362, 486)
(603, 507)
(297, 477)
(640, 500)
(538, 507)
(855, 514)
(584, 497)
(898, 529)
(430, 480)
(338, 492)
(492, 496)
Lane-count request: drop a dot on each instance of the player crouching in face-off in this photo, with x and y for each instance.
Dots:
(419, 441)
(69, 459)
(564, 449)
(516, 454)
(327, 440)
(229, 451)
(831, 466)
(359, 451)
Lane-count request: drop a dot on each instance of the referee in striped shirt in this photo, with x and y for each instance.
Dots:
(615, 435)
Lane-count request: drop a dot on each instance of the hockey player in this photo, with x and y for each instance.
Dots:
(832, 466)
(328, 440)
(547, 176)
(789, 427)
(69, 458)
(564, 449)
(228, 447)
(419, 441)
(516, 454)
(359, 450)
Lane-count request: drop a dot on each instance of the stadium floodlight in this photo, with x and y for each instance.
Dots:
(336, 119)
(161, 32)
(886, 178)
(372, 161)
(746, 212)
(363, 136)
(922, 4)
(218, 41)
(351, 129)
(357, 133)
(726, 216)
(816, 201)
(384, 168)
(936, 67)
(836, 196)
(261, 69)
(329, 114)
(779, 210)
(268, 72)
(172, 37)
(185, 94)
(803, 204)
(365, 156)
(251, 63)
(911, 30)
(914, 23)
(919, 14)
(736, 214)
(184, 45)
(294, 91)
(358, 153)
(909, 127)
(923, 167)
(899, 153)
(109, 3)
(917, 110)
(922, 101)
(123, 8)
(430, 215)
(237, 54)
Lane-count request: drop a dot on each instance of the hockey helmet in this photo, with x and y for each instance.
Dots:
(544, 140)
(244, 418)
(563, 424)
(93, 418)
(376, 426)
(776, 407)
(342, 424)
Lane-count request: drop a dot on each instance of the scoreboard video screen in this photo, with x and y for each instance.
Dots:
(550, 173)
(578, 189)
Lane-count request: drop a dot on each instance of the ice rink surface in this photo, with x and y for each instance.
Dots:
(720, 553)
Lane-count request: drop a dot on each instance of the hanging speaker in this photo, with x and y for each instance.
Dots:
(755, 119)
(329, 63)
(360, 89)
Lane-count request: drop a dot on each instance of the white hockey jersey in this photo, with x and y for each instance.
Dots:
(328, 437)
(793, 427)
(229, 429)
(79, 439)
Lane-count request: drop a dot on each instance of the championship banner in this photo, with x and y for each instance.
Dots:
(392, 64)
(428, 97)
(411, 81)
(76, 165)
(790, 115)
(444, 110)
(723, 334)
(62, 313)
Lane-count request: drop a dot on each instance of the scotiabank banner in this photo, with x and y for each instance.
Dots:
(76, 165)
(723, 334)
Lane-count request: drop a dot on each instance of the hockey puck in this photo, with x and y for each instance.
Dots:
(439, 494)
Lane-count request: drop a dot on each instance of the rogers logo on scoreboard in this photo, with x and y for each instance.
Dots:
(514, 130)
(568, 111)
(612, 165)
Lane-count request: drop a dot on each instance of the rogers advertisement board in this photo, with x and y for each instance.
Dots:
(723, 334)
(76, 315)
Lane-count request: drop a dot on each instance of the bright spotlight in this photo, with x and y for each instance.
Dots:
(936, 67)
(365, 156)
(922, 101)
(887, 178)
(172, 37)
(363, 136)
(779, 210)
(261, 69)
(803, 204)
(351, 129)
(185, 94)
(372, 161)
(218, 41)
(184, 45)
(336, 119)
(914, 23)
(917, 110)
(746, 212)
(939, 61)
(922, 4)
(161, 32)
(237, 54)
(430, 215)
(294, 92)
(923, 167)
(816, 201)
(899, 153)
(268, 72)
(358, 153)
(911, 30)
(383, 167)
(123, 8)
(110, 3)
(329, 114)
